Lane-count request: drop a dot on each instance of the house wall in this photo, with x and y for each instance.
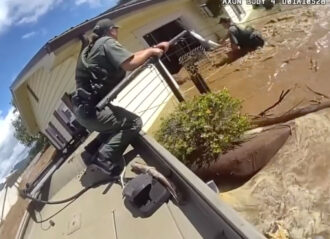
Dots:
(51, 81)
(149, 19)
(247, 8)
(49, 85)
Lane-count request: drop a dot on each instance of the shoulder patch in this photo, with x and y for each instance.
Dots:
(116, 43)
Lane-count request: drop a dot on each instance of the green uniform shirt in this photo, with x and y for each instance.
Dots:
(109, 54)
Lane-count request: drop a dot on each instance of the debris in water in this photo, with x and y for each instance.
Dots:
(311, 14)
(277, 231)
(280, 99)
(285, 18)
(267, 58)
(313, 65)
(271, 21)
(317, 93)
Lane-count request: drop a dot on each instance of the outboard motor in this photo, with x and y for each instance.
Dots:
(145, 195)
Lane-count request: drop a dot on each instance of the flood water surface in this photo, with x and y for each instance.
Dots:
(293, 190)
(296, 56)
(290, 197)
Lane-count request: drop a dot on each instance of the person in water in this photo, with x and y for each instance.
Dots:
(241, 39)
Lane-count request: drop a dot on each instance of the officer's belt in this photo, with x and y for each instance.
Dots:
(81, 96)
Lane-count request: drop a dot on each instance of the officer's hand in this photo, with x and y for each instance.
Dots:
(163, 45)
(157, 52)
(235, 47)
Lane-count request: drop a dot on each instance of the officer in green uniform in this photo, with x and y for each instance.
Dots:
(241, 39)
(100, 67)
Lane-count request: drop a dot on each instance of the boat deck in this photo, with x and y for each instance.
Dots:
(101, 213)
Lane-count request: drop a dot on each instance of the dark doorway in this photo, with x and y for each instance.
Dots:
(166, 33)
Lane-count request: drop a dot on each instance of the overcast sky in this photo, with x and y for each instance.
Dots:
(25, 26)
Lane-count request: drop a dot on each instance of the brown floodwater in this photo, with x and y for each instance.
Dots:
(296, 56)
(291, 195)
(293, 190)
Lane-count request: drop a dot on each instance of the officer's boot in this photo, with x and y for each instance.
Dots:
(92, 148)
(108, 166)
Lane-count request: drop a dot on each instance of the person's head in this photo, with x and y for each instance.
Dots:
(106, 27)
(225, 22)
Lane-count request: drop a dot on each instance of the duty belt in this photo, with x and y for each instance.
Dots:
(82, 96)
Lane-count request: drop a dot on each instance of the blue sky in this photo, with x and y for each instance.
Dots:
(25, 26)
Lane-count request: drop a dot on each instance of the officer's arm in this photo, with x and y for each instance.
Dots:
(233, 33)
(222, 41)
(140, 57)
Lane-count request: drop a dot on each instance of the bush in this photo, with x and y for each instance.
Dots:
(201, 129)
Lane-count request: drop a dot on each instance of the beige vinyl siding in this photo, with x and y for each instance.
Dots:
(247, 8)
(50, 87)
(141, 22)
(199, 22)
(146, 96)
(57, 86)
(23, 102)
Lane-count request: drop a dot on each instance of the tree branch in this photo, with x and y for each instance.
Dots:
(295, 113)
(282, 96)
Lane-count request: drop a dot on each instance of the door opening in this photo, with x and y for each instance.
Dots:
(166, 33)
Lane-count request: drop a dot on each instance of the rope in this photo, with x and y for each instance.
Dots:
(24, 194)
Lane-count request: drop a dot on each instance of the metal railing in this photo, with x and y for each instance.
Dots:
(127, 80)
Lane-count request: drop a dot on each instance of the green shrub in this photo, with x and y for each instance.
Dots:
(201, 129)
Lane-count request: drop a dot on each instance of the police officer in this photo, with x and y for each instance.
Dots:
(100, 67)
(241, 39)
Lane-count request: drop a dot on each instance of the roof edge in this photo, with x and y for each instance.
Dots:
(78, 31)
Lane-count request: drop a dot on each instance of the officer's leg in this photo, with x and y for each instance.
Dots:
(123, 126)
(93, 146)
(126, 127)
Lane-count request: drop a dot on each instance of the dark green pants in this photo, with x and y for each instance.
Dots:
(117, 128)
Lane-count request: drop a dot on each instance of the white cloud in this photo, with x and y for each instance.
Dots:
(42, 32)
(11, 151)
(3, 14)
(29, 35)
(92, 3)
(14, 12)
(96, 3)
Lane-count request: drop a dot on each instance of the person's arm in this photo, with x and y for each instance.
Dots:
(120, 57)
(233, 40)
(141, 56)
(222, 41)
(233, 33)
(234, 46)
(138, 58)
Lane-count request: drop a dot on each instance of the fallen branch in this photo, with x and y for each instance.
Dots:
(267, 58)
(295, 113)
(282, 96)
(296, 105)
(317, 93)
